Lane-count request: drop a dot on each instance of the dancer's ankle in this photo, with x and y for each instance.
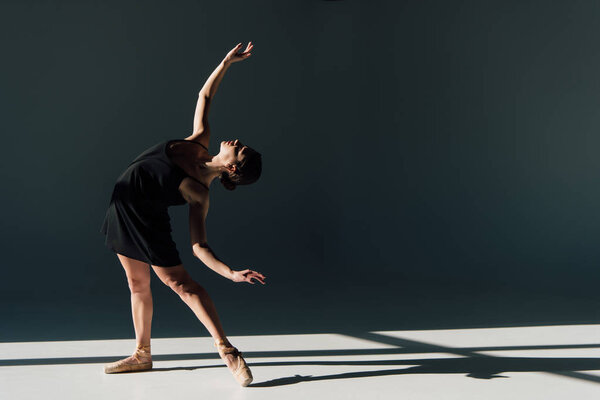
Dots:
(222, 341)
(143, 349)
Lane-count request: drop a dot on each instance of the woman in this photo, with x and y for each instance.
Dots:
(137, 227)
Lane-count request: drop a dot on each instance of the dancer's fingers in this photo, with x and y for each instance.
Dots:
(249, 274)
(255, 276)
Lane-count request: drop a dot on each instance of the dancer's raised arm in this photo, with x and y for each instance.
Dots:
(201, 129)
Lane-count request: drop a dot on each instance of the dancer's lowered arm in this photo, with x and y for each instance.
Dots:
(200, 248)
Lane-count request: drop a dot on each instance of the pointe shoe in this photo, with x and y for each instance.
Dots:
(242, 374)
(141, 360)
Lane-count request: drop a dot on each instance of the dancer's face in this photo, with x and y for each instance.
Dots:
(233, 151)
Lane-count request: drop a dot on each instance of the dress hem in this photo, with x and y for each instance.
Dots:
(137, 258)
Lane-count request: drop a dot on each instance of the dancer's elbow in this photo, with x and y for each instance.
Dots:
(199, 248)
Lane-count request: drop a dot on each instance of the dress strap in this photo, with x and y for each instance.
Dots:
(202, 183)
(202, 145)
(192, 141)
(178, 167)
(197, 143)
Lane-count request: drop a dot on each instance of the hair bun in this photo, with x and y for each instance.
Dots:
(225, 181)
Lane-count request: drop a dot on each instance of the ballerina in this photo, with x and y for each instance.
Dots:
(137, 226)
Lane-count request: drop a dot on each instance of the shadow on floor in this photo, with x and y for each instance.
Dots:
(471, 362)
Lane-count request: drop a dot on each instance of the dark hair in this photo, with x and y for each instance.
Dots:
(249, 171)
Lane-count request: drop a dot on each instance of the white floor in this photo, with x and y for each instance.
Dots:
(548, 362)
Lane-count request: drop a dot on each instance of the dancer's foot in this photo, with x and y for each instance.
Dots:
(231, 361)
(140, 360)
(234, 361)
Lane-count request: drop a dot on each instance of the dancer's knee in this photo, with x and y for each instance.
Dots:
(138, 285)
(186, 285)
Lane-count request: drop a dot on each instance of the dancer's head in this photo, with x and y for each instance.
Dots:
(243, 164)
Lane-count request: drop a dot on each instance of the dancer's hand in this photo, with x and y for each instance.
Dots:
(234, 56)
(247, 275)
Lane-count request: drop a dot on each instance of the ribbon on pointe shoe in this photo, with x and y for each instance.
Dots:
(224, 347)
(142, 353)
(143, 347)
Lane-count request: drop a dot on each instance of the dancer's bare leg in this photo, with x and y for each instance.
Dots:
(197, 299)
(138, 279)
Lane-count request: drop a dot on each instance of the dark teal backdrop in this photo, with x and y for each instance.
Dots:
(426, 164)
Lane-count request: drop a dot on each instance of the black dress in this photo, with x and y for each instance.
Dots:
(137, 223)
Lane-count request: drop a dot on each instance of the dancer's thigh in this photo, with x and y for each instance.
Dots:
(172, 276)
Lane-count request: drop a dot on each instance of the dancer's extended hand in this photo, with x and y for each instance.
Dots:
(234, 56)
(247, 275)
